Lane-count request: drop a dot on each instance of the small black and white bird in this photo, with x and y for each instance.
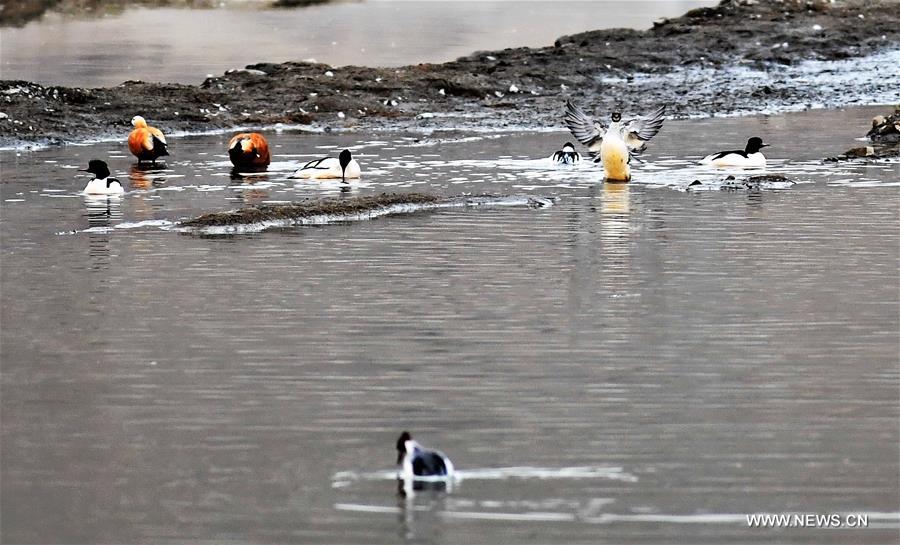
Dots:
(344, 166)
(103, 183)
(750, 156)
(416, 461)
(616, 144)
(566, 156)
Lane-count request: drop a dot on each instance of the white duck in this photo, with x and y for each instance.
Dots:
(416, 461)
(614, 145)
(344, 166)
(102, 184)
(750, 156)
(566, 156)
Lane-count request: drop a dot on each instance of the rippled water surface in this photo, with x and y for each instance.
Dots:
(637, 363)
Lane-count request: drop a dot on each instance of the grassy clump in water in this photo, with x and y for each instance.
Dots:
(308, 208)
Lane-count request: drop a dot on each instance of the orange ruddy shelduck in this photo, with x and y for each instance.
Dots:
(146, 143)
(249, 150)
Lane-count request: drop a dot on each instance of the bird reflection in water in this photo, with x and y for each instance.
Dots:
(141, 176)
(243, 182)
(248, 175)
(615, 226)
(421, 503)
(101, 211)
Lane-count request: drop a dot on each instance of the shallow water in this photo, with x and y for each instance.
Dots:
(182, 45)
(638, 362)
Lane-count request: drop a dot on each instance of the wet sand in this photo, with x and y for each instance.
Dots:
(736, 57)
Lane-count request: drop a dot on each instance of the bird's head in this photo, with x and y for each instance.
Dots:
(138, 122)
(402, 441)
(755, 144)
(616, 117)
(344, 158)
(97, 167)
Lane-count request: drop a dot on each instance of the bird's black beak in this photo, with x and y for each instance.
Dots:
(765, 145)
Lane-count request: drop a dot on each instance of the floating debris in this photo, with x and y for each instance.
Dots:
(337, 210)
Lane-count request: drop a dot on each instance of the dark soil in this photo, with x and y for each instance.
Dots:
(508, 88)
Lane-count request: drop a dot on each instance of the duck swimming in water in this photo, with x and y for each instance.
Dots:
(145, 142)
(417, 461)
(566, 156)
(614, 145)
(102, 184)
(249, 150)
(750, 156)
(343, 167)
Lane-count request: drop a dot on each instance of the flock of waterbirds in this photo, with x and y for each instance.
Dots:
(614, 145)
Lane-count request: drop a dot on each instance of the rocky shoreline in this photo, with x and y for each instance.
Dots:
(735, 57)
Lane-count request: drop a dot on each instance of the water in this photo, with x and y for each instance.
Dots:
(182, 45)
(636, 363)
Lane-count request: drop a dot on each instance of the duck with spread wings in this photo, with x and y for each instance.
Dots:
(614, 145)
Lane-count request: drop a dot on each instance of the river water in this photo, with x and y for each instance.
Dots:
(183, 45)
(637, 363)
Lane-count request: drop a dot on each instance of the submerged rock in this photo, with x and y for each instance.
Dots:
(767, 181)
(885, 128)
(304, 209)
(885, 138)
(868, 153)
(322, 211)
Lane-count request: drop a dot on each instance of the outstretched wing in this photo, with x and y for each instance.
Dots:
(637, 131)
(586, 130)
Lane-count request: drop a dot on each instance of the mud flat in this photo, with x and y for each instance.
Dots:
(742, 56)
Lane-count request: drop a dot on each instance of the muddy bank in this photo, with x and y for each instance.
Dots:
(698, 63)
